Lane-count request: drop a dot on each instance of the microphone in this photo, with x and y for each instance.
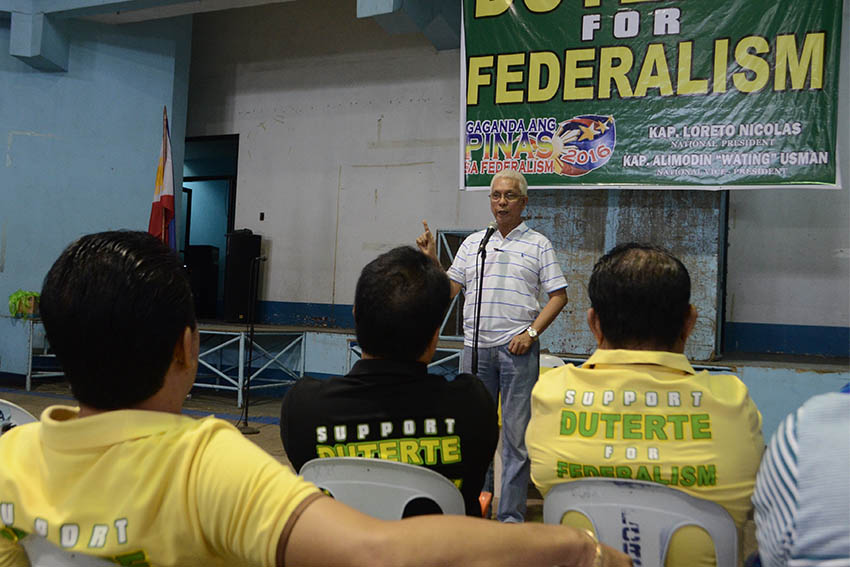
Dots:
(491, 228)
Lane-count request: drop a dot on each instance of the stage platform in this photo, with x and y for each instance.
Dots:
(278, 359)
(227, 360)
(225, 353)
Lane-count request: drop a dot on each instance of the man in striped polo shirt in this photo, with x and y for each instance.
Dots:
(802, 496)
(520, 264)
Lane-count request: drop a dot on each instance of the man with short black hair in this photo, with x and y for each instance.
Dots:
(637, 409)
(389, 406)
(125, 476)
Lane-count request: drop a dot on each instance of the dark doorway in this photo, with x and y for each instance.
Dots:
(209, 205)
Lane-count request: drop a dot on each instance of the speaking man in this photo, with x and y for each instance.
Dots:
(520, 264)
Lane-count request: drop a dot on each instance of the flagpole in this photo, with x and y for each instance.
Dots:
(164, 223)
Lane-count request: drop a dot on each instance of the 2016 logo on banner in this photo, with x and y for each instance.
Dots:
(583, 143)
(571, 147)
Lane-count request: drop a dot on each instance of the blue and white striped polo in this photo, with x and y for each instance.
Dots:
(802, 495)
(518, 267)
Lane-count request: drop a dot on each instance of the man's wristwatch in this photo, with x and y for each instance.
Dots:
(532, 332)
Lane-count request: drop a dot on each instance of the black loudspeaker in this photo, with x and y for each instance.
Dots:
(202, 263)
(242, 248)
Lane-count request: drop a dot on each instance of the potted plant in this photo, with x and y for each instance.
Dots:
(24, 303)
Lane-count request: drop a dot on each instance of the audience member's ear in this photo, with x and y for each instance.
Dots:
(595, 326)
(184, 349)
(428, 355)
(690, 321)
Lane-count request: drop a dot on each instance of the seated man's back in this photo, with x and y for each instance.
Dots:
(146, 488)
(637, 409)
(395, 410)
(389, 406)
(649, 416)
(125, 475)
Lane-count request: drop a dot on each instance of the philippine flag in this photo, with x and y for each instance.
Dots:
(161, 223)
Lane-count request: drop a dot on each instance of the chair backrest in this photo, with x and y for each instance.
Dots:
(640, 517)
(43, 553)
(381, 488)
(12, 415)
(550, 361)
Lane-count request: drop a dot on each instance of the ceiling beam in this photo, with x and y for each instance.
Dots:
(37, 35)
(37, 40)
(81, 8)
(438, 20)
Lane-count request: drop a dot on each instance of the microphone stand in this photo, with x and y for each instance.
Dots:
(483, 253)
(242, 425)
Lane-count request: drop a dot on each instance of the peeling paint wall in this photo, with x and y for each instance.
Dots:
(348, 138)
(583, 225)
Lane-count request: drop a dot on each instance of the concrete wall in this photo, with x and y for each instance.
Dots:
(80, 148)
(348, 139)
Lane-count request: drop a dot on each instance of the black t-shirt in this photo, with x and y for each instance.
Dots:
(395, 410)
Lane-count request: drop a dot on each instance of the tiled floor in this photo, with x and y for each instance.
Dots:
(264, 416)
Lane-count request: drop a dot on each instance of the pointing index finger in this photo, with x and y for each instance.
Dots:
(425, 225)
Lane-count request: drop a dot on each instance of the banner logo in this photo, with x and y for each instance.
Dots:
(583, 143)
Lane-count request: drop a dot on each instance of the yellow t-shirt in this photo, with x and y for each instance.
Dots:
(647, 415)
(145, 488)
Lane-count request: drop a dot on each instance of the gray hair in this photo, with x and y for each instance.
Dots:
(513, 175)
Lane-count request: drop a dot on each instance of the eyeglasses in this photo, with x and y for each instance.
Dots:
(509, 196)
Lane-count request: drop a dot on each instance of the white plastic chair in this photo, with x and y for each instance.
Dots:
(12, 415)
(550, 361)
(43, 553)
(381, 488)
(639, 517)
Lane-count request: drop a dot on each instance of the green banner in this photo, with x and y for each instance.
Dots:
(689, 94)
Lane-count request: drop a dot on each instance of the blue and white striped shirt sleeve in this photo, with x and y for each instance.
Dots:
(776, 495)
(551, 276)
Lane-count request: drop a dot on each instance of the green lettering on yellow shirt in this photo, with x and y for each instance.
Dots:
(636, 426)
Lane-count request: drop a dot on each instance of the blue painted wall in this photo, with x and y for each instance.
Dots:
(80, 147)
(817, 340)
(779, 391)
(306, 314)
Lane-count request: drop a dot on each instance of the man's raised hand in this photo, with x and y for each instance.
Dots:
(426, 242)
